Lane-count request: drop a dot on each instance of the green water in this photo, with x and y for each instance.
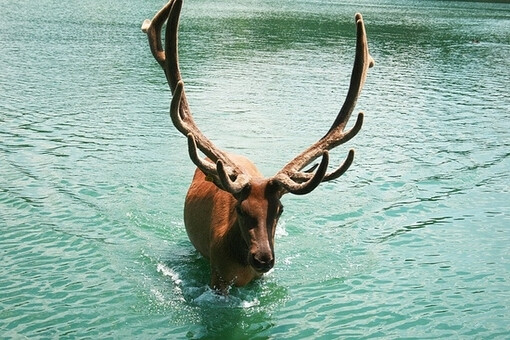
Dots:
(412, 242)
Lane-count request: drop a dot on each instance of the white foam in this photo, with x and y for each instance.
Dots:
(209, 297)
(163, 269)
(280, 229)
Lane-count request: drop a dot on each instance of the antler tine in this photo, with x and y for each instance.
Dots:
(170, 12)
(291, 176)
(234, 187)
(300, 177)
(171, 67)
(362, 62)
(153, 30)
(313, 180)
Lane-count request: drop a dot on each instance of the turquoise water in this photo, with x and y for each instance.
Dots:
(412, 242)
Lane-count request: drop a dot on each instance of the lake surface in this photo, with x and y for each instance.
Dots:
(412, 242)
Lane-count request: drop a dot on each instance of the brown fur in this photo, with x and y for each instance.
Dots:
(228, 240)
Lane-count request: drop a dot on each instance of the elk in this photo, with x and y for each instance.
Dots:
(231, 210)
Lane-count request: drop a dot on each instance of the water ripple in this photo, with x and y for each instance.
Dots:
(411, 242)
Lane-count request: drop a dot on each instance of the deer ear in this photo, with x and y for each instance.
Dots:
(273, 187)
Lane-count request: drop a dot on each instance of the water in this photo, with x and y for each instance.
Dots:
(411, 242)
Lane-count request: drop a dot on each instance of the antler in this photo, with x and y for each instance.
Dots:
(217, 166)
(291, 177)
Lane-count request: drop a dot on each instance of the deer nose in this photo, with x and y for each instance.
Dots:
(261, 262)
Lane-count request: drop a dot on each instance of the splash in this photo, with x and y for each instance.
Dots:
(236, 299)
(163, 269)
(201, 295)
